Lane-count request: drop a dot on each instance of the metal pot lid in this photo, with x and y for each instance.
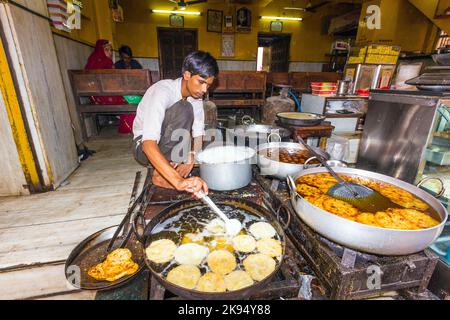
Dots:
(304, 116)
(260, 129)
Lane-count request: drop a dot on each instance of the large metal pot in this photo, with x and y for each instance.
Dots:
(279, 169)
(364, 237)
(226, 168)
(254, 134)
(189, 206)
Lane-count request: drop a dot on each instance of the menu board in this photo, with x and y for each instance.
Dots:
(375, 54)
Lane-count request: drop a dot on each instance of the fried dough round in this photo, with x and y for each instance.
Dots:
(191, 254)
(216, 226)
(261, 230)
(367, 218)
(185, 276)
(238, 280)
(244, 243)
(306, 190)
(339, 207)
(117, 264)
(221, 262)
(211, 282)
(259, 266)
(270, 247)
(419, 219)
(161, 251)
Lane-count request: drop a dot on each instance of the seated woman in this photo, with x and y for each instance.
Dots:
(127, 61)
(101, 58)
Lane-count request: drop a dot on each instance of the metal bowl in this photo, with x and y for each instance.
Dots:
(281, 170)
(363, 237)
(92, 251)
(174, 210)
(255, 134)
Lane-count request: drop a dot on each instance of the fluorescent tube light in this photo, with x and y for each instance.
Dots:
(281, 18)
(177, 12)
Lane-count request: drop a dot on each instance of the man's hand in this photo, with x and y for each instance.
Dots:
(184, 169)
(193, 185)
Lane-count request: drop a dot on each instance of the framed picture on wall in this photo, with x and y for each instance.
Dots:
(214, 21)
(227, 45)
(276, 26)
(176, 21)
(243, 20)
(228, 23)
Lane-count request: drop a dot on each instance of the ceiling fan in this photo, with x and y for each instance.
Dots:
(183, 4)
(309, 7)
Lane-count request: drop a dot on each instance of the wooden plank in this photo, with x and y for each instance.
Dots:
(46, 90)
(49, 242)
(79, 295)
(28, 283)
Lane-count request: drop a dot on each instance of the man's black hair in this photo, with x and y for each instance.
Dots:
(201, 63)
(126, 50)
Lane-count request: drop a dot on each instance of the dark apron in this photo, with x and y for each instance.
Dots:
(178, 116)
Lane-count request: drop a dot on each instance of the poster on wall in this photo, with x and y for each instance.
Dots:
(228, 23)
(243, 20)
(65, 15)
(214, 21)
(227, 45)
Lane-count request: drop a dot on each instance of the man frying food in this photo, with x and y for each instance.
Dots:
(168, 109)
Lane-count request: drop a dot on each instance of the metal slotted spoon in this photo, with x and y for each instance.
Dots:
(232, 226)
(362, 197)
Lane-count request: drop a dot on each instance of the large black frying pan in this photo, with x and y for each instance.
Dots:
(190, 206)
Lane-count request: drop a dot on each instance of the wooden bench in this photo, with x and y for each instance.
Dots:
(239, 89)
(88, 83)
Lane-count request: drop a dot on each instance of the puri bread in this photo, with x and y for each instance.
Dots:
(191, 254)
(161, 251)
(237, 280)
(270, 247)
(261, 230)
(211, 282)
(216, 226)
(221, 261)
(185, 276)
(244, 243)
(259, 266)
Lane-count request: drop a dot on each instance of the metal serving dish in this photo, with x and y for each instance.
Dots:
(174, 210)
(300, 119)
(364, 237)
(280, 169)
(92, 251)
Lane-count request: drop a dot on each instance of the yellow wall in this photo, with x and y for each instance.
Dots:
(401, 24)
(308, 43)
(431, 7)
(96, 23)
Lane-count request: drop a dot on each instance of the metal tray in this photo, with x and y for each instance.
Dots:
(315, 120)
(92, 251)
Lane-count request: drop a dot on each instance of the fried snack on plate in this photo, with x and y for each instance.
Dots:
(117, 264)
(185, 276)
(270, 247)
(221, 262)
(211, 282)
(259, 266)
(161, 251)
(238, 280)
(244, 243)
(191, 254)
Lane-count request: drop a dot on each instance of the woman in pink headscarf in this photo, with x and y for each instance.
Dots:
(101, 58)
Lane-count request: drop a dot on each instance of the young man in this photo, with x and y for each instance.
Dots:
(169, 109)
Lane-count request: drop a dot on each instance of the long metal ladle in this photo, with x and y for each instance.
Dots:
(232, 226)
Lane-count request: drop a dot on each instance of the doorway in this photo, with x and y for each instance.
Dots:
(273, 52)
(174, 45)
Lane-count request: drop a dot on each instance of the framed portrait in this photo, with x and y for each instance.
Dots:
(227, 45)
(214, 21)
(276, 26)
(243, 20)
(228, 23)
(176, 21)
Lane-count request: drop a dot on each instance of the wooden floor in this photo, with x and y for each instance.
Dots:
(38, 232)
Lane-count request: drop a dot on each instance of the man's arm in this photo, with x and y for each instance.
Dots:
(160, 163)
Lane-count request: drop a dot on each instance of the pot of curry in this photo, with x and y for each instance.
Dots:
(412, 225)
